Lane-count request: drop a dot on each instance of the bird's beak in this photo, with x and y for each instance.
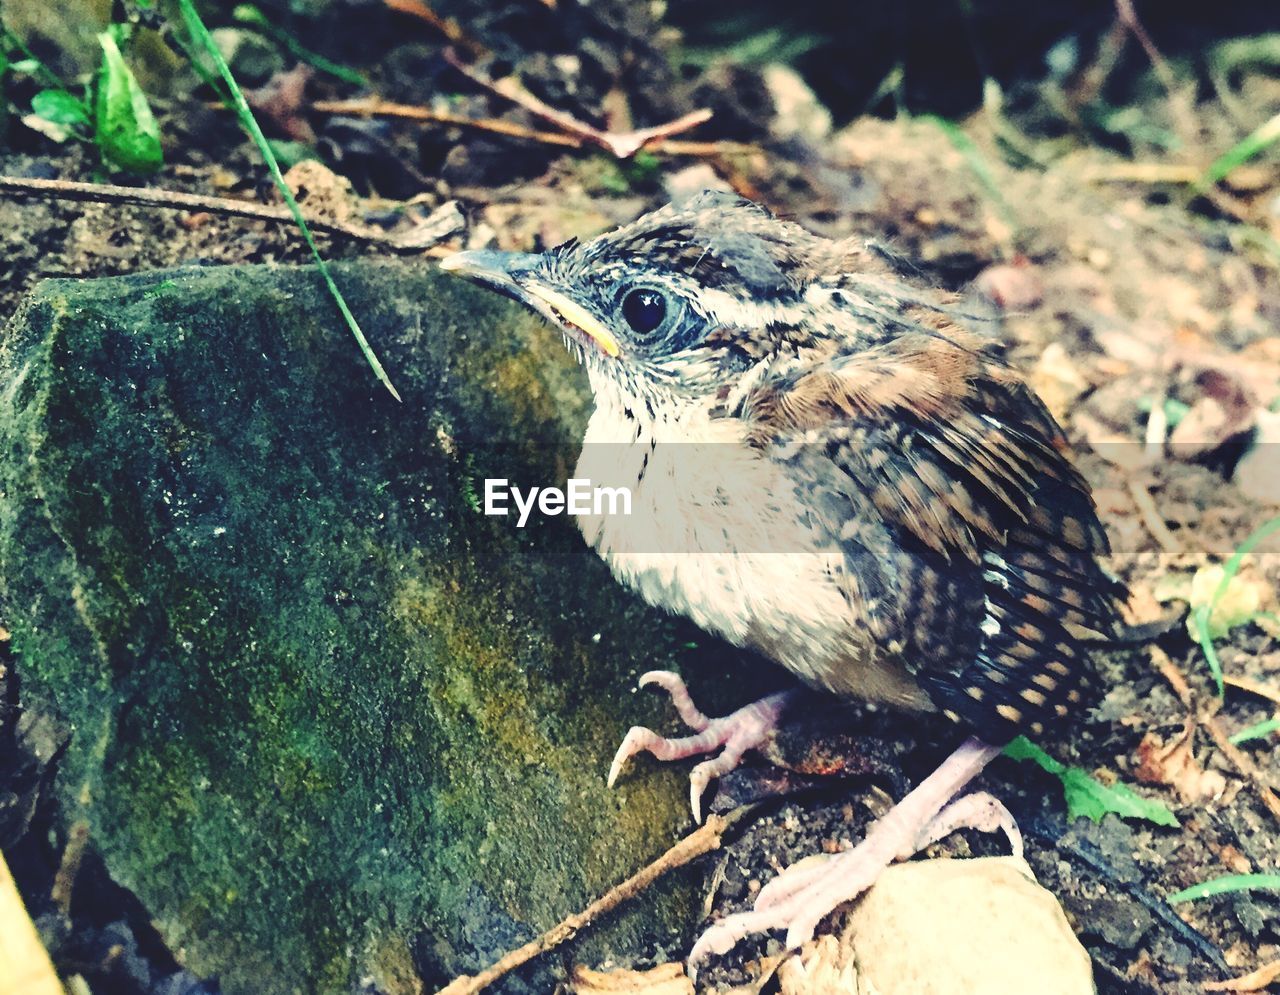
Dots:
(514, 275)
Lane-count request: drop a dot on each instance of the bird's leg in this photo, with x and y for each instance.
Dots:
(800, 897)
(736, 732)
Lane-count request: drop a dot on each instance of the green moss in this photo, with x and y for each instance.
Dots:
(321, 704)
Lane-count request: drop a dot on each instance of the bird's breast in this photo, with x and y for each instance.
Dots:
(721, 535)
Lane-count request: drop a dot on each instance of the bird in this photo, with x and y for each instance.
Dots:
(830, 467)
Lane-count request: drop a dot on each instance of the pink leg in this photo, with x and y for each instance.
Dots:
(737, 732)
(798, 899)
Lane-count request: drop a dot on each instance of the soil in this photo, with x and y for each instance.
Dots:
(1119, 288)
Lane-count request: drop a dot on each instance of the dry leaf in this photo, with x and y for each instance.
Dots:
(824, 966)
(1175, 765)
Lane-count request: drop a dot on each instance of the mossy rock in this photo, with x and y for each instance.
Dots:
(330, 721)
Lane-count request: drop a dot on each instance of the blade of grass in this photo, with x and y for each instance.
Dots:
(1259, 730)
(205, 41)
(1226, 885)
(1204, 612)
(1257, 141)
(248, 14)
(40, 68)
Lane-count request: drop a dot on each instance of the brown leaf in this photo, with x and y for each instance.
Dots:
(1175, 765)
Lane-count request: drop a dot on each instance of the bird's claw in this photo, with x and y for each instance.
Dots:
(735, 733)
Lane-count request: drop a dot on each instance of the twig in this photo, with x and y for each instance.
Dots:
(377, 107)
(705, 839)
(446, 26)
(1152, 518)
(1129, 18)
(107, 193)
(1170, 672)
(621, 144)
(1243, 764)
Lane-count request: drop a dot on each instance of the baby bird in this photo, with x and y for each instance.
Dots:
(829, 470)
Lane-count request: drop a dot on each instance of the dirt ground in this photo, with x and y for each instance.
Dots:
(1143, 309)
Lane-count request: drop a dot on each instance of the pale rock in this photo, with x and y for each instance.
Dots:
(1057, 380)
(692, 180)
(947, 927)
(798, 113)
(966, 927)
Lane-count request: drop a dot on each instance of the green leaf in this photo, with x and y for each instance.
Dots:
(127, 134)
(1086, 796)
(1226, 885)
(60, 107)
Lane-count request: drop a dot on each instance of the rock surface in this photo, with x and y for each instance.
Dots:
(331, 723)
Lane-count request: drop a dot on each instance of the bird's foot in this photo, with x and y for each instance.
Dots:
(976, 810)
(736, 732)
(803, 894)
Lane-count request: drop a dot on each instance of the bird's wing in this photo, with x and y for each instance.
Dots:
(969, 539)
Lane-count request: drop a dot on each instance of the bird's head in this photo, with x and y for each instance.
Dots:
(673, 307)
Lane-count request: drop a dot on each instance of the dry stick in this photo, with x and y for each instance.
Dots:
(107, 193)
(1183, 120)
(1243, 764)
(1129, 18)
(1152, 518)
(377, 107)
(622, 144)
(1170, 672)
(705, 839)
(1237, 757)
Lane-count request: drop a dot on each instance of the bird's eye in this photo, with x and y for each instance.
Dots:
(644, 310)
